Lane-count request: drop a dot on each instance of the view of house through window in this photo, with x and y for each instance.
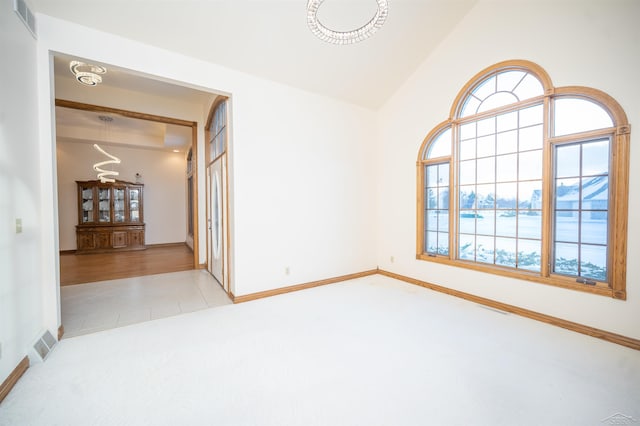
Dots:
(518, 182)
(581, 199)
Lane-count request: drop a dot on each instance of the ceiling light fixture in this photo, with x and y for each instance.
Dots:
(86, 73)
(345, 37)
(102, 174)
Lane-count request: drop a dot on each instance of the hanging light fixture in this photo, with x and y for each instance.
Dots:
(106, 175)
(86, 73)
(345, 37)
(102, 174)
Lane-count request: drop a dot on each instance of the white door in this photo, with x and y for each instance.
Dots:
(216, 235)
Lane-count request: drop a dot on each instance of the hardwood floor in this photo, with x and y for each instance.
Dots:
(85, 268)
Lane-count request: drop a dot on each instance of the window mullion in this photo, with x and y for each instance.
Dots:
(548, 171)
(453, 192)
(500, 110)
(517, 240)
(420, 185)
(580, 206)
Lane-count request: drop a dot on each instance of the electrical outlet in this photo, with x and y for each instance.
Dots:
(18, 226)
(392, 259)
(0, 350)
(286, 270)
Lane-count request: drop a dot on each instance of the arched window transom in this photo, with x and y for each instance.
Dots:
(501, 89)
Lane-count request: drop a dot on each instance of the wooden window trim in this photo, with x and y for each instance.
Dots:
(518, 64)
(214, 106)
(619, 135)
(209, 136)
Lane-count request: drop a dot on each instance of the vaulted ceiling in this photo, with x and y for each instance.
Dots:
(270, 38)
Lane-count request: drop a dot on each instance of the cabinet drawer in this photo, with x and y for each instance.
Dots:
(85, 241)
(103, 240)
(119, 239)
(136, 238)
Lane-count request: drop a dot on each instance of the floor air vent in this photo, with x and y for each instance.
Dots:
(25, 14)
(44, 344)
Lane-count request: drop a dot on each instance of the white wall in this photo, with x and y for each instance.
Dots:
(164, 178)
(304, 187)
(589, 43)
(302, 165)
(21, 318)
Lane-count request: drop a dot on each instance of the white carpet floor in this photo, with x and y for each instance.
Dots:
(372, 351)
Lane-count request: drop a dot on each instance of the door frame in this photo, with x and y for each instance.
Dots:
(223, 157)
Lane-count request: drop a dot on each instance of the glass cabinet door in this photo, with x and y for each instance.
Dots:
(118, 204)
(134, 204)
(87, 204)
(104, 208)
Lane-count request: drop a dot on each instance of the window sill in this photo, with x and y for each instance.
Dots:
(554, 280)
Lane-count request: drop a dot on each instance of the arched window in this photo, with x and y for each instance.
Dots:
(529, 181)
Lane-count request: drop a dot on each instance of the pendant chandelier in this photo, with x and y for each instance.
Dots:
(106, 175)
(345, 37)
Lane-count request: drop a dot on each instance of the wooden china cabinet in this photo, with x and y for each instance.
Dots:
(110, 217)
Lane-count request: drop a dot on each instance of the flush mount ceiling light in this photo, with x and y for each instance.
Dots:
(345, 37)
(86, 73)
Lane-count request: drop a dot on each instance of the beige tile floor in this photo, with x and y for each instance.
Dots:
(92, 307)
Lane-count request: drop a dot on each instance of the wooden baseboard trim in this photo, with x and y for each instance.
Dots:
(64, 252)
(558, 322)
(297, 287)
(60, 332)
(11, 381)
(179, 244)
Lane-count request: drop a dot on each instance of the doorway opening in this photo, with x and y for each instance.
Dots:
(167, 203)
(171, 205)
